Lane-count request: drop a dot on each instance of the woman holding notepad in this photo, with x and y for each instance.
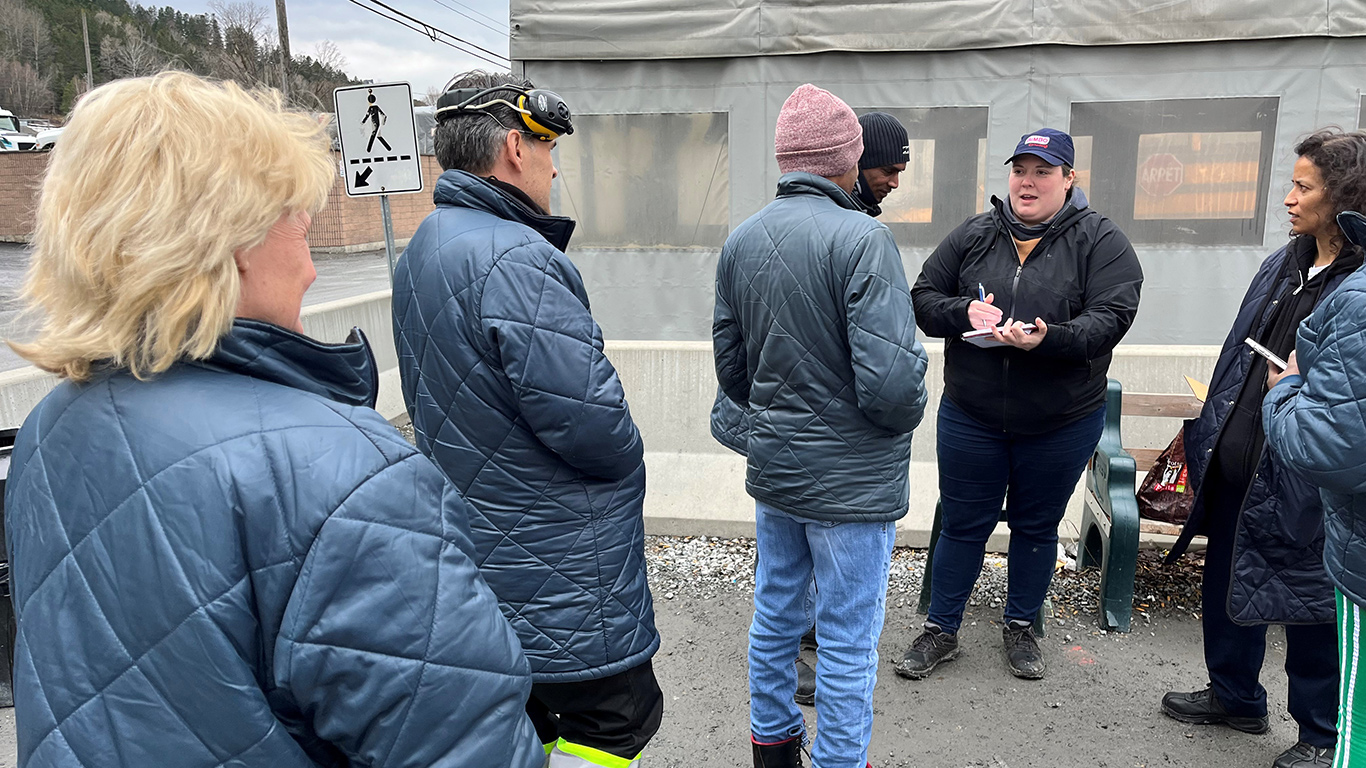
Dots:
(1031, 297)
(1263, 518)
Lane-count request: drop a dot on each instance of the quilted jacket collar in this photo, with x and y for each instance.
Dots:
(466, 190)
(802, 183)
(343, 372)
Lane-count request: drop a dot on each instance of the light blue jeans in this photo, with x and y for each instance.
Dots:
(849, 563)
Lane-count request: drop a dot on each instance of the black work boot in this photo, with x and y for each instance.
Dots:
(1022, 650)
(806, 683)
(1204, 708)
(927, 651)
(783, 754)
(1304, 755)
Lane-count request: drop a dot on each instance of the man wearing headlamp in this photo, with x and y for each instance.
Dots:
(510, 394)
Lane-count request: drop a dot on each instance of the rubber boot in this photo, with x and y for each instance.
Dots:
(782, 754)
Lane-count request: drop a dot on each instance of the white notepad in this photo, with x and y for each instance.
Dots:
(983, 338)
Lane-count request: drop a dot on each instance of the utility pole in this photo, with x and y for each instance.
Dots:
(282, 23)
(89, 73)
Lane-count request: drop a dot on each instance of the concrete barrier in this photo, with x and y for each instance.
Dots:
(22, 388)
(696, 486)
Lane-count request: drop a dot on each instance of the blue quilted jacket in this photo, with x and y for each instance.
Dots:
(510, 393)
(1278, 574)
(1316, 425)
(239, 563)
(814, 331)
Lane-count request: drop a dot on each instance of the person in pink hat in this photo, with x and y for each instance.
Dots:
(814, 335)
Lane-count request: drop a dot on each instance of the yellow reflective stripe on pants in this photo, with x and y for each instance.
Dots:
(570, 755)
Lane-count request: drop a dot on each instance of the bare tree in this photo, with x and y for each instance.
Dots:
(24, 35)
(246, 40)
(328, 55)
(432, 94)
(131, 56)
(23, 90)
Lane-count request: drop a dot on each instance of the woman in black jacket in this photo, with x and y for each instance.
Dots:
(1020, 417)
(1264, 523)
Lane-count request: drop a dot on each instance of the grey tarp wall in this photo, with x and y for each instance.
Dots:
(1189, 147)
(652, 29)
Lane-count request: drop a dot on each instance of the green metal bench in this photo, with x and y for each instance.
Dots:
(1109, 521)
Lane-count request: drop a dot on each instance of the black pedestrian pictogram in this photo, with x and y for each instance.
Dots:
(375, 115)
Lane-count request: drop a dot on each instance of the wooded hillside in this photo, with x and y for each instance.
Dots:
(42, 57)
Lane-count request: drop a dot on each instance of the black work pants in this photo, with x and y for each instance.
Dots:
(1234, 653)
(617, 714)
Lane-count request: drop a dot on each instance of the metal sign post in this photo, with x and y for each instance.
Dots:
(378, 138)
(388, 235)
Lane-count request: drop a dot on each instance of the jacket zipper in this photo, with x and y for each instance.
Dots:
(1014, 288)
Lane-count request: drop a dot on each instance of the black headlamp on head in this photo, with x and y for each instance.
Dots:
(544, 114)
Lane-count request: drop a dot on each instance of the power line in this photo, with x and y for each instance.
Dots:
(430, 33)
(474, 10)
(501, 31)
(458, 39)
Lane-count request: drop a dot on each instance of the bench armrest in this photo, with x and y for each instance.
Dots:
(1110, 477)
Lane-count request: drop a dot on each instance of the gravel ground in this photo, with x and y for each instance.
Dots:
(1097, 707)
(703, 567)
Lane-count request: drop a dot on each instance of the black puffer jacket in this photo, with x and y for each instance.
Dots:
(1083, 279)
(814, 332)
(730, 424)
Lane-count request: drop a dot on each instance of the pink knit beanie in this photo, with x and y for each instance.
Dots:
(817, 133)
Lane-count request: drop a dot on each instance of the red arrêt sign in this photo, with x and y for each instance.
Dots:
(1161, 174)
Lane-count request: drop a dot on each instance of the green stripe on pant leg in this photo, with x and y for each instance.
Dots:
(1351, 749)
(567, 754)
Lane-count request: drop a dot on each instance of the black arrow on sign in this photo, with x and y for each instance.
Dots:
(361, 177)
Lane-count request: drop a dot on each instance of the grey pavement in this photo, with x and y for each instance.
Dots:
(1098, 706)
(339, 276)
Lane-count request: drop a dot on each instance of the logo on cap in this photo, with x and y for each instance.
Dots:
(1036, 141)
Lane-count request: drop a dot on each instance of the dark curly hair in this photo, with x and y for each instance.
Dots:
(1340, 157)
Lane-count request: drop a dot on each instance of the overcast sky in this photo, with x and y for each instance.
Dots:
(380, 50)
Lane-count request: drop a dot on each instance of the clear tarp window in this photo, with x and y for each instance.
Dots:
(1197, 175)
(1361, 115)
(1178, 170)
(646, 181)
(945, 179)
(913, 203)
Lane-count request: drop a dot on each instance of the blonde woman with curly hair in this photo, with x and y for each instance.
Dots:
(221, 553)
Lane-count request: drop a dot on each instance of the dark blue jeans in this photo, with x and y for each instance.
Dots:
(1234, 653)
(1034, 475)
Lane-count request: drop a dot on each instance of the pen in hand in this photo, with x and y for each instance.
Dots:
(981, 314)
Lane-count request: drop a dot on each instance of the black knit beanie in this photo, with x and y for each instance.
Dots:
(884, 141)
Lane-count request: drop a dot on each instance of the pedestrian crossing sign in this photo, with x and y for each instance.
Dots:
(378, 139)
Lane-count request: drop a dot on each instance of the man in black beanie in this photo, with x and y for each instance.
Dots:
(886, 150)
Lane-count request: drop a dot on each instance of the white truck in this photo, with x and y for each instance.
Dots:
(11, 138)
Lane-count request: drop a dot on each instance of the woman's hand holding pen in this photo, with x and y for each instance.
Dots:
(1013, 332)
(982, 314)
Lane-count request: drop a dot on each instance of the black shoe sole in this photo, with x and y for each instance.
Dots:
(921, 674)
(1253, 725)
(1023, 675)
(805, 698)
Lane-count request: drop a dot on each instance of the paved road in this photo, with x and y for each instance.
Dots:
(1097, 707)
(339, 276)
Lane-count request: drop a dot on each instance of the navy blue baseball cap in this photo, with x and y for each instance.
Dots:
(1052, 146)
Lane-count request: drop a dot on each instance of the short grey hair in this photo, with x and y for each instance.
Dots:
(471, 141)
